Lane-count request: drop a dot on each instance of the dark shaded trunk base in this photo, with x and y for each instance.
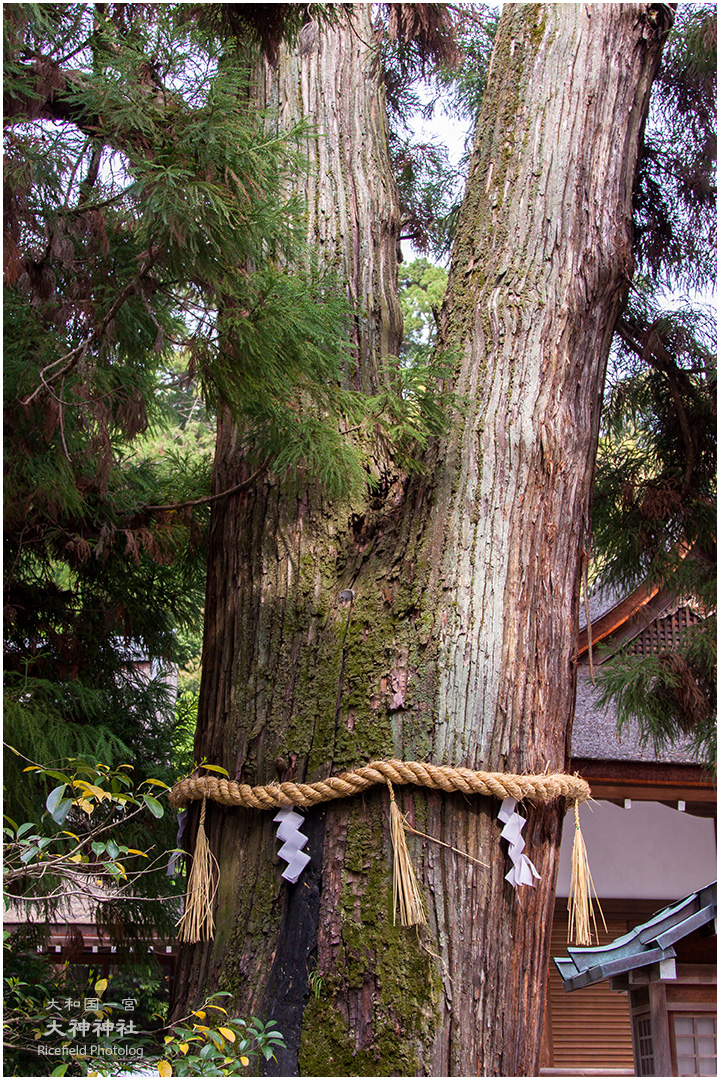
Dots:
(291, 983)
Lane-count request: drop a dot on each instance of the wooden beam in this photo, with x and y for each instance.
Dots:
(644, 772)
(653, 793)
(616, 617)
(697, 973)
(648, 782)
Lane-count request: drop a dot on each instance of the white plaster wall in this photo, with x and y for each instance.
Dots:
(649, 851)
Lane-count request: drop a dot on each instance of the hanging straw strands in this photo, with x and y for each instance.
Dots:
(406, 891)
(580, 905)
(197, 922)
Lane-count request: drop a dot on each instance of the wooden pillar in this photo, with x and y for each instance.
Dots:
(660, 1029)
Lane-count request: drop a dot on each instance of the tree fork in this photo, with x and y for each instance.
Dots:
(458, 648)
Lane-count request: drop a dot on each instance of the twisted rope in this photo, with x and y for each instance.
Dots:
(542, 787)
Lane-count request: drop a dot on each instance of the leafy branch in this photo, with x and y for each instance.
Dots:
(83, 860)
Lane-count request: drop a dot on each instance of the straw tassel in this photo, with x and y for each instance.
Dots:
(406, 891)
(197, 923)
(582, 888)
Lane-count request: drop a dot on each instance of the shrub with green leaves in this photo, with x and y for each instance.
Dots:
(78, 850)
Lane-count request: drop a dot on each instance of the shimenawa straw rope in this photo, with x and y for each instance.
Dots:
(198, 919)
(542, 787)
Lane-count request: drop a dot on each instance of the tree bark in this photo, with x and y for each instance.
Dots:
(456, 643)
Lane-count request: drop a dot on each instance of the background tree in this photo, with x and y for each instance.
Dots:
(422, 289)
(656, 486)
(435, 616)
(137, 182)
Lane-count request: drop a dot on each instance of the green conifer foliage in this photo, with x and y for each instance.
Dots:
(148, 228)
(656, 483)
(446, 76)
(144, 220)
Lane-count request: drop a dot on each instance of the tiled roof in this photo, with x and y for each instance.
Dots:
(595, 733)
(648, 943)
(646, 624)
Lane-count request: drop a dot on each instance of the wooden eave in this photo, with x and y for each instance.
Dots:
(627, 618)
(619, 617)
(650, 781)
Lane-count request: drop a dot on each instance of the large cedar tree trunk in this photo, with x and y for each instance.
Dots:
(458, 644)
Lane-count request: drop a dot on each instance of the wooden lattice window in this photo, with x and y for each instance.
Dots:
(664, 634)
(645, 1060)
(696, 1044)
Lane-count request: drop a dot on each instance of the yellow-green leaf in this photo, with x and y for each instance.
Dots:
(200, 1013)
(169, 1038)
(92, 789)
(228, 1034)
(159, 783)
(164, 1068)
(183, 1047)
(244, 1060)
(101, 986)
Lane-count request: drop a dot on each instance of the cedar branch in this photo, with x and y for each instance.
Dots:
(70, 359)
(212, 498)
(656, 355)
